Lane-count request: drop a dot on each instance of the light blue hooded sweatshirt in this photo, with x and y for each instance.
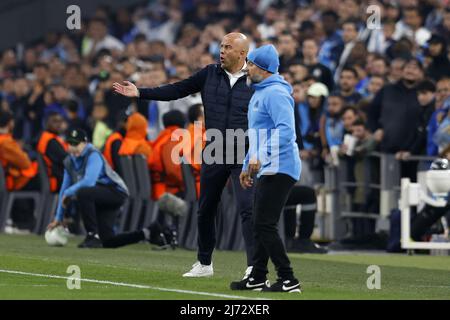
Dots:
(271, 125)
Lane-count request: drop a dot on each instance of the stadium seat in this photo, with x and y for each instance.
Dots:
(226, 216)
(8, 199)
(3, 196)
(49, 199)
(149, 208)
(133, 205)
(187, 225)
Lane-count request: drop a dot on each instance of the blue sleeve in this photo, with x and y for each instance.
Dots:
(281, 110)
(252, 150)
(245, 164)
(65, 184)
(432, 127)
(93, 169)
(304, 118)
(176, 90)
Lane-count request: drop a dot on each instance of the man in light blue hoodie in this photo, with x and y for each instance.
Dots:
(274, 158)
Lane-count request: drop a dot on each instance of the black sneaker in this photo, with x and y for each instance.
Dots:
(91, 241)
(157, 237)
(285, 286)
(250, 283)
(306, 246)
(171, 238)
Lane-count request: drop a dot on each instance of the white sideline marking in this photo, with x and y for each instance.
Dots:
(122, 284)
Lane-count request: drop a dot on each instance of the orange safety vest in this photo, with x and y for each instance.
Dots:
(45, 138)
(16, 179)
(166, 176)
(130, 146)
(193, 157)
(108, 145)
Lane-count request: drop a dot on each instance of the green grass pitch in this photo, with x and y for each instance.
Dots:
(136, 272)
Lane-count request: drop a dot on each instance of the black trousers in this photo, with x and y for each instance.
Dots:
(271, 194)
(306, 196)
(124, 239)
(98, 207)
(213, 178)
(425, 219)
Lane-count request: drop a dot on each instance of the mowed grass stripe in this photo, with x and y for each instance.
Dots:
(323, 276)
(130, 285)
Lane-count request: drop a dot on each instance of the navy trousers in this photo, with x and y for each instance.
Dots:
(213, 178)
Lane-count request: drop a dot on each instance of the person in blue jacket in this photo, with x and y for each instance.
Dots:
(274, 157)
(96, 191)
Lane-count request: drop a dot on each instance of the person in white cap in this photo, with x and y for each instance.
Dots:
(274, 158)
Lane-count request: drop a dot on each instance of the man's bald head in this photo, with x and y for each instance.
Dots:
(233, 51)
(239, 39)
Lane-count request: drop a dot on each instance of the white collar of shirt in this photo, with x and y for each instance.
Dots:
(235, 76)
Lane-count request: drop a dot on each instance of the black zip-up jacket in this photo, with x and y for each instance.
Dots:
(225, 107)
(396, 110)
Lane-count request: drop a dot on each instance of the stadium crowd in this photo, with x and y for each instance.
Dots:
(385, 87)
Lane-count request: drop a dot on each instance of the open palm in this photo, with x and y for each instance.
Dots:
(127, 89)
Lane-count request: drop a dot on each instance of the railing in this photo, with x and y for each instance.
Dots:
(380, 188)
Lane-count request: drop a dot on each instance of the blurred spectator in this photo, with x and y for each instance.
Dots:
(350, 36)
(446, 153)
(393, 104)
(135, 140)
(100, 131)
(193, 152)
(97, 38)
(411, 26)
(288, 51)
(347, 86)
(440, 64)
(19, 107)
(74, 121)
(380, 41)
(55, 98)
(444, 27)
(310, 114)
(426, 97)
(375, 84)
(165, 174)
(442, 135)
(332, 126)
(349, 116)
(440, 106)
(396, 70)
(322, 73)
(363, 199)
(114, 143)
(21, 172)
(332, 45)
(53, 149)
(123, 26)
(266, 28)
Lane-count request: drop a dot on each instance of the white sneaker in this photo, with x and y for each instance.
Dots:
(199, 270)
(248, 271)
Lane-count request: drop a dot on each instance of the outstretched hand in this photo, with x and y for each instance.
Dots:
(126, 89)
